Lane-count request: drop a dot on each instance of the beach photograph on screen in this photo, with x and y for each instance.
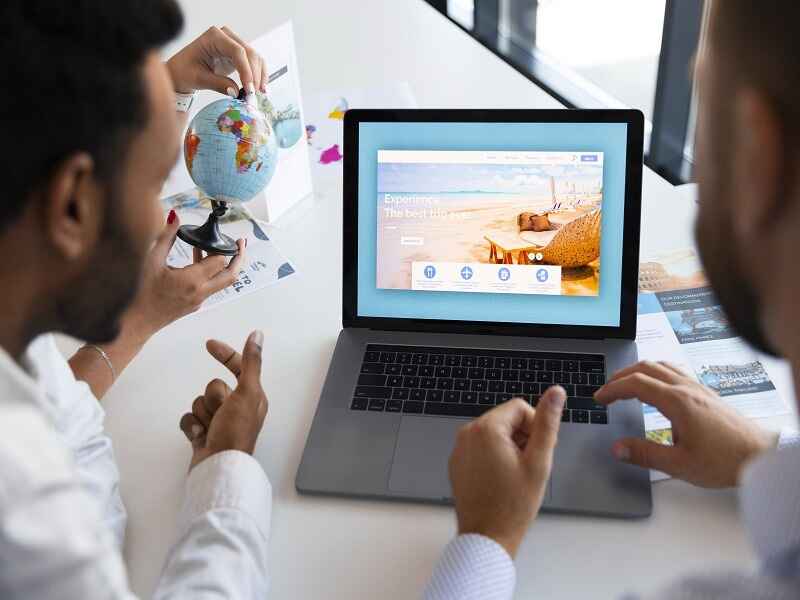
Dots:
(538, 210)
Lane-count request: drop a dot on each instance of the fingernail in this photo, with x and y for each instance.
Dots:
(263, 88)
(196, 431)
(171, 217)
(622, 453)
(232, 92)
(257, 337)
(251, 88)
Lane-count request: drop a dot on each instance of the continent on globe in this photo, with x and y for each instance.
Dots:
(249, 137)
(190, 144)
(230, 150)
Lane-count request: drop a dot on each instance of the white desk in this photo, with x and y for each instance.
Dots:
(336, 548)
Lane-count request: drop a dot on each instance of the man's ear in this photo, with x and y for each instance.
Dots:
(73, 207)
(757, 162)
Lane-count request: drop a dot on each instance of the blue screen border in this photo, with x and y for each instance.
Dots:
(632, 215)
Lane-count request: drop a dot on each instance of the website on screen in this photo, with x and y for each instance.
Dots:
(509, 222)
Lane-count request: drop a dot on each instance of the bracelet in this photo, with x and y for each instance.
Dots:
(105, 358)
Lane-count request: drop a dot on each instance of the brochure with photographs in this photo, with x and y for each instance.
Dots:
(681, 321)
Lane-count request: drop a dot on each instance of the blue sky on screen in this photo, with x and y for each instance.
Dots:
(448, 178)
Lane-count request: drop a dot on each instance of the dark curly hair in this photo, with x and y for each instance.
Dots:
(72, 82)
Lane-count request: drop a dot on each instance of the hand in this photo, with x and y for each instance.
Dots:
(500, 467)
(208, 60)
(167, 293)
(224, 419)
(712, 441)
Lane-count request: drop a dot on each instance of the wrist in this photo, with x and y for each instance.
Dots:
(135, 331)
(179, 85)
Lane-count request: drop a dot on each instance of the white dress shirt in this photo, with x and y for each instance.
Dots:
(474, 566)
(62, 521)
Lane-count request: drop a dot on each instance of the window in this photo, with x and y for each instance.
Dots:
(609, 54)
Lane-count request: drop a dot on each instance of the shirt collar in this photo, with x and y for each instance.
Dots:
(770, 503)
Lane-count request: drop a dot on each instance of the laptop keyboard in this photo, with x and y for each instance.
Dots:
(461, 382)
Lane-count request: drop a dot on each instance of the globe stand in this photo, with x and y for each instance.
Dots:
(208, 236)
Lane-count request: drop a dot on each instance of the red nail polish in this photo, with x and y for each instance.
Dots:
(171, 217)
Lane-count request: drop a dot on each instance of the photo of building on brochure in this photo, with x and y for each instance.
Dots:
(744, 378)
(464, 220)
(681, 321)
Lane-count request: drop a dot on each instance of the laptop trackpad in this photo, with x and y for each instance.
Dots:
(419, 467)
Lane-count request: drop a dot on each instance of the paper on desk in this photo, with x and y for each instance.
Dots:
(264, 264)
(680, 321)
(325, 120)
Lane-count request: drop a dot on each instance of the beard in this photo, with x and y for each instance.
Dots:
(92, 308)
(736, 294)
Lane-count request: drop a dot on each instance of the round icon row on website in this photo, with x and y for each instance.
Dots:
(503, 273)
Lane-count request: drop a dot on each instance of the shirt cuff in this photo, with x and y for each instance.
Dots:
(228, 480)
(788, 438)
(473, 567)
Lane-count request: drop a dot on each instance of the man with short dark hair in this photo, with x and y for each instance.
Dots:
(90, 120)
(748, 157)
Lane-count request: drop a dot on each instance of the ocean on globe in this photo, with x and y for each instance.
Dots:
(288, 131)
(230, 150)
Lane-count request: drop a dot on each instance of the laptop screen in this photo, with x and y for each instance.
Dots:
(491, 222)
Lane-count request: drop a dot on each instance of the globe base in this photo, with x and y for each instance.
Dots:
(208, 236)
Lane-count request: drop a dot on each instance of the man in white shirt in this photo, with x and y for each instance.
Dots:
(748, 160)
(90, 132)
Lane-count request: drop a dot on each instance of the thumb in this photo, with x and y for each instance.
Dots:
(543, 434)
(646, 454)
(208, 80)
(250, 375)
(166, 238)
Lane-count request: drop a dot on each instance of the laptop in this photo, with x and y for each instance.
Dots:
(488, 254)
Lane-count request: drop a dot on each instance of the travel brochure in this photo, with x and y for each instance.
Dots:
(681, 321)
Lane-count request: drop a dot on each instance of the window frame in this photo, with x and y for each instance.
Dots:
(666, 134)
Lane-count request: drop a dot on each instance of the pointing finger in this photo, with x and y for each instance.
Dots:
(228, 47)
(256, 60)
(656, 370)
(638, 385)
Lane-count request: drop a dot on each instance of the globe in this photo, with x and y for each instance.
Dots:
(231, 154)
(230, 150)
